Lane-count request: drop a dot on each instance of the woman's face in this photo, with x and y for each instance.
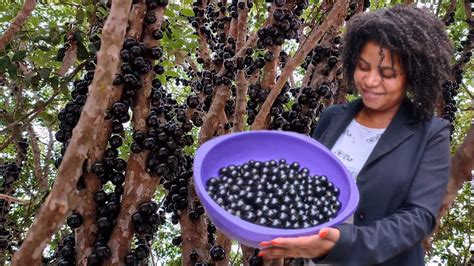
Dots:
(381, 87)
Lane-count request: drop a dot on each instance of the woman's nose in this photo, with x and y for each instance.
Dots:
(372, 79)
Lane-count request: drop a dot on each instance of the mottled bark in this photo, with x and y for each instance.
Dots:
(225, 242)
(211, 120)
(69, 57)
(247, 252)
(241, 83)
(58, 203)
(42, 180)
(139, 185)
(193, 233)
(17, 23)
(86, 234)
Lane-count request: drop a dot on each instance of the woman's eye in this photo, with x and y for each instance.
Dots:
(363, 68)
(388, 73)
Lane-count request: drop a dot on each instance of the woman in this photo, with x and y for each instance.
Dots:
(389, 139)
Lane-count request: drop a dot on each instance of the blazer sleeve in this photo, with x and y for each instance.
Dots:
(406, 227)
(323, 122)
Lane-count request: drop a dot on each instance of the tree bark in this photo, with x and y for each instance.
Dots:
(193, 233)
(211, 120)
(139, 185)
(86, 234)
(17, 23)
(241, 83)
(36, 158)
(58, 203)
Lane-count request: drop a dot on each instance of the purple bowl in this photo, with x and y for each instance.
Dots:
(238, 148)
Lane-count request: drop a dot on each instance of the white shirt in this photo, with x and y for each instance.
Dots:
(355, 144)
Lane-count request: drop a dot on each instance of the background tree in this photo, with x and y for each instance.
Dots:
(74, 74)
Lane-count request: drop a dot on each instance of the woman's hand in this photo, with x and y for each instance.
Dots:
(301, 247)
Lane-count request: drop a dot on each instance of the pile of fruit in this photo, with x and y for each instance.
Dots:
(275, 194)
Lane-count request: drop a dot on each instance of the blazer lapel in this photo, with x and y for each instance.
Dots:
(397, 132)
(339, 122)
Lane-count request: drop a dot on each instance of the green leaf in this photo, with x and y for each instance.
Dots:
(12, 69)
(48, 118)
(171, 73)
(54, 82)
(61, 54)
(80, 15)
(35, 81)
(18, 56)
(82, 52)
(43, 48)
(4, 63)
(91, 48)
(187, 12)
(169, 13)
(78, 35)
(102, 12)
(44, 73)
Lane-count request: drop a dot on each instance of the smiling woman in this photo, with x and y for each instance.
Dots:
(388, 139)
(381, 82)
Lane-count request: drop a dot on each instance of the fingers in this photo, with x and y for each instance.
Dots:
(295, 242)
(330, 234)
(275, 252)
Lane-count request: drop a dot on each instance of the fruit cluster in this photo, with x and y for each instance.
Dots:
(451, 88)
(285, 24)
(146, 222)
(275, 194)
(9, 173)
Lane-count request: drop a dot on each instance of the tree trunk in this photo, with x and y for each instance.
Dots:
(58, 203)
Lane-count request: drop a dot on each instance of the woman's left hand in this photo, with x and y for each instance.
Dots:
(301, 247)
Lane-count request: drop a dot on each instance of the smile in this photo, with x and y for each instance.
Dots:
(368, 93)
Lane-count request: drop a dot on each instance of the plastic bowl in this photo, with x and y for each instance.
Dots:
(238, 148)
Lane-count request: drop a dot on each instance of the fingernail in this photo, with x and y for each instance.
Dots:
(261, 254)
(275, 243)
(324, 233)
(264, 244)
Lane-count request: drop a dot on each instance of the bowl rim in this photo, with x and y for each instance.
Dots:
(206, 147)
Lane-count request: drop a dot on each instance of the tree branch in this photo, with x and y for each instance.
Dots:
(48, 156)
(40, 105)
(6, 143)
(211, 120)
(69, 57)
(17, 23)
(241, 82)
(467, 91)
(334, 19)
(13, 199)
(203, 49)
(36, 157)
(451, 8)
(86, 234)
(139, 185)
(58, 203)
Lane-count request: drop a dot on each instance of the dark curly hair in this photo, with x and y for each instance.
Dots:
(420, 40)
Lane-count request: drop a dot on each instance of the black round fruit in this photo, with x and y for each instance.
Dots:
(74, 220)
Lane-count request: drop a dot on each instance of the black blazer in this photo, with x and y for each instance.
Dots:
(401, 187)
